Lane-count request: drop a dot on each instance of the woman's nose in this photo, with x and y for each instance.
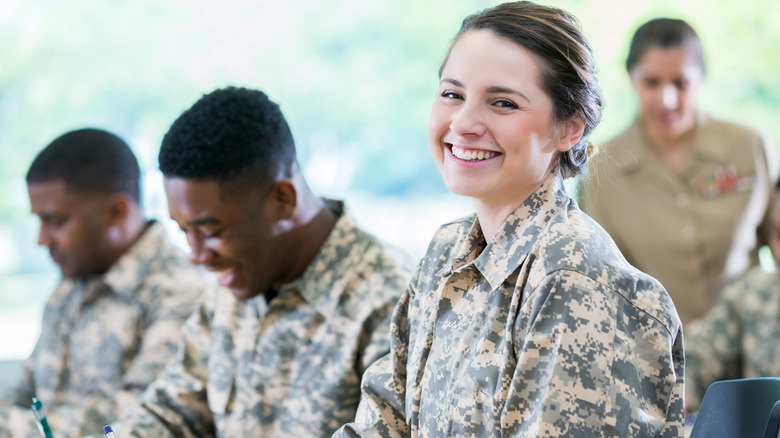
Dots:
(468, 119)
(670, 96)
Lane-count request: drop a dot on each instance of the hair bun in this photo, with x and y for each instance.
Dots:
(591, 149)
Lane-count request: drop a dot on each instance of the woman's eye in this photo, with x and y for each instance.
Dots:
(508, 104)
(450, 95)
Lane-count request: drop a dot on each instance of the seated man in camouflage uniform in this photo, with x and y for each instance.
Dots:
(112, 323)
(280, 353)
(737, 338)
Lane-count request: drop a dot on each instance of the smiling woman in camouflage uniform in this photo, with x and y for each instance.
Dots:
(523, 319)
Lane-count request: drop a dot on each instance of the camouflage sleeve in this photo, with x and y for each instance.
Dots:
(376, 333)
(64, 420)
(165, 315)
(383, 387)
(176, 404)
(15, 420)
(712, 346)
(22, 394)
(590, 363)
(25, 390)
(163, 320)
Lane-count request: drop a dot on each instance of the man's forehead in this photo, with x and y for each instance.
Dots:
(182, 186)
(53, 186)
(63, 188)
(193, 202)
(195, 191)
(57, 194)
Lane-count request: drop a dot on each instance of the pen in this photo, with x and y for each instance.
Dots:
(108, 431)
(40, 417)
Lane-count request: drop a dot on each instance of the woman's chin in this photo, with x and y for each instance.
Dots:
(461, 189)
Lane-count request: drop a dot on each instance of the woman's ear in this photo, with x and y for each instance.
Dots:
(570, 133)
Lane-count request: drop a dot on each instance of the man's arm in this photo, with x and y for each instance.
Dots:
(382, 406)
(16, 418)
(22, 394)
(172, 300)
(175, 404)
(712, 346)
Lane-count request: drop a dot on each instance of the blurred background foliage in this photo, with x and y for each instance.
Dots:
(356, 80)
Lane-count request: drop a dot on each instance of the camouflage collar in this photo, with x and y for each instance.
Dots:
(124, 276)
(322, 284)
(516, 237)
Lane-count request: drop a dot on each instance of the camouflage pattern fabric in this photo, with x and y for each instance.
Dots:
(104, 339)
(546, 331)
(290, 367)
(737, 338)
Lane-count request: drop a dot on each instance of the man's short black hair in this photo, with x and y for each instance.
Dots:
(228, 134)
(89, 161)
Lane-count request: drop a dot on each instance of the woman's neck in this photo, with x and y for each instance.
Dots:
(673, 150)
(493, 213)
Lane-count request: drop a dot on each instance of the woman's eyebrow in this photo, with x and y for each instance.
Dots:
(504, 90)
(491, 90)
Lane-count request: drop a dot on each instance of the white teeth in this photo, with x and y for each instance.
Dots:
(463, 154)
(223, 272)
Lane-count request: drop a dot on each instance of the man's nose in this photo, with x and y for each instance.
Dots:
(44, 237)
(199, 254)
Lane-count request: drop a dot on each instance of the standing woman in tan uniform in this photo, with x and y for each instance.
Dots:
(683, 194)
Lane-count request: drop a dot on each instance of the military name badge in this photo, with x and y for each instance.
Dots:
(727, 180)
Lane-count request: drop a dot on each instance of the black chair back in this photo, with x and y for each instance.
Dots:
(741, 408)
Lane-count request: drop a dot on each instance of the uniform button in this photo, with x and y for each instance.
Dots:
(688, 231)
(683, 200)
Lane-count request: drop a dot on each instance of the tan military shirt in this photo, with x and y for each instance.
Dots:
(738, 338)
(105, 339)
(546, 331)
(290, 367)
(692, 231)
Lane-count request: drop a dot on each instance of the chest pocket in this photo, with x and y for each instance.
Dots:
(727, 180)
(473, 413)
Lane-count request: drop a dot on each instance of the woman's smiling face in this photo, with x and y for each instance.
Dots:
(492, 130)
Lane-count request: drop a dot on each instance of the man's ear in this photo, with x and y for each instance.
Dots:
(570, 133)
(116, 209)
(284, 197)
